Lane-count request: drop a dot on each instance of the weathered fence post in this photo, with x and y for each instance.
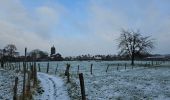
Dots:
(30, 64)
(145, 64)
(9, 64)
(107, 68)
(19, 66)
(47, 67)
(82, 86)
(15, 89)
(117, 66)
(125, 66)
(56, 69)
(91, 69)
(39, 69)
(152, 62)
(2, 62)
(12, 66)
(27, 66)
(67, 73)
(78, 69)
(32, 72)
(35, 75)
(24, 68)
(28, 86)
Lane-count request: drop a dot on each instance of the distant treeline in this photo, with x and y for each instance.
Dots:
(9, 53)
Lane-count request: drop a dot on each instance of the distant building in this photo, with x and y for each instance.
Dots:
(16, 54)
(54, 56)
(97, 57)
(157, 58)
(53, 51)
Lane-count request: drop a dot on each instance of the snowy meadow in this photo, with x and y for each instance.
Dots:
(115, 80)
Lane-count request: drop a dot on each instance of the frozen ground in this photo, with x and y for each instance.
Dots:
(52, 88)
(139, 83)
(7, 79)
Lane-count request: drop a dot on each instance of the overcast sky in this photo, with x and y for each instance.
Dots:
(77, 27)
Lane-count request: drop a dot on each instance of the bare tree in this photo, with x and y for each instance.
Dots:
(132, 43)
(36, 53)
(11, 50)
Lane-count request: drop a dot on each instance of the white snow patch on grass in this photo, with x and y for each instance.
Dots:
(7, 79)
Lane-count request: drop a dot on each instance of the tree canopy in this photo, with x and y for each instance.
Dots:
(36, 53)
(10, 50)
(132, 43)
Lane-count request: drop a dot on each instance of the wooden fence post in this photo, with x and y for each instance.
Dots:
(2, 62)
(91, 69)
(35, 75)
(56, 69)
(47, 67)
(78, 69)
(32, 72)
(67, 73)
(15, 89)
(152, 62)
(107, 68)
(39, 69)
(9, 64)
(82, 86)
(28, 86)
(24, 68)
(27, 66)
(19, 66)
(117, 67)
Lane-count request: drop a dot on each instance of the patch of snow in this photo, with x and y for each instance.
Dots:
(7, 79)
(53, 87)
(139, 83)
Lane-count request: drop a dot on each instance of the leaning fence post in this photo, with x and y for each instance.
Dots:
(82, 86)
(107, 68)
(56, 69)
(15, 89)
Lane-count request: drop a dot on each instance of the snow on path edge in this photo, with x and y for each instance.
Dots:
(53, 87)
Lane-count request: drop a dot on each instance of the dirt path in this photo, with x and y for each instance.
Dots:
(53, 87)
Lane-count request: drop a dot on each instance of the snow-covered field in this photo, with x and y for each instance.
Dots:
(7, 79)
(52, 88)
(148, 83)
(118, 83)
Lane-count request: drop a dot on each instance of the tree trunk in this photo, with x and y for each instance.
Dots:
(132, 59)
